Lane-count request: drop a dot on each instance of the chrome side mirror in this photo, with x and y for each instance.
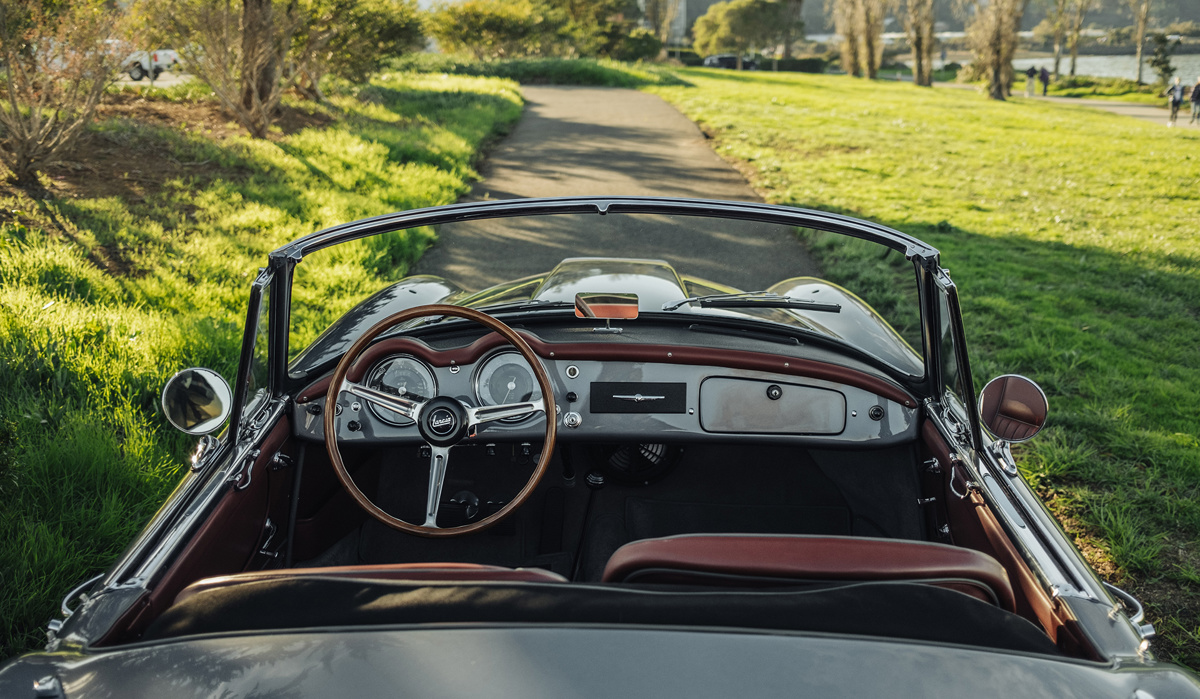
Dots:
(1013, 408)
(197, 401)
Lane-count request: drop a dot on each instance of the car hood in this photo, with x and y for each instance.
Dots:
(654, 281)
(578, 662)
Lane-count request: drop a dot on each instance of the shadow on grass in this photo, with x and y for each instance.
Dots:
(1111, 339)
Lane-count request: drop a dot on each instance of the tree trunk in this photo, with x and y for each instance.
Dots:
(1058, 39)
(868, 38)
(1141, 16)
(920, 39)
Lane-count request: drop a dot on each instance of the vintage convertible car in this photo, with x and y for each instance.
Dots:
(608, 479)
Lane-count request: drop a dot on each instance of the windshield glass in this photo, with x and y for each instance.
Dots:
(859, 293)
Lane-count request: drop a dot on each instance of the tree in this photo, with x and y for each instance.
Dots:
(918, 25)
(737, 26)
(844, 14)
(1160, 59)
(1079, 10)
(351, 39)
(871, 14)
(492, 28)
(1056, 16)
(57, 60)
(860, 22)
(591, 27)
(661, 15)
(239, 52)
(1141, 16)
(792, 25)
(992, 27)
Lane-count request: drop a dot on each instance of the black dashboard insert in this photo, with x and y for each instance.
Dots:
(638, 397)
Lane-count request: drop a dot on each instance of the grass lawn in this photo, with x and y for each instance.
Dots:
(137, 264)
(1073, 236)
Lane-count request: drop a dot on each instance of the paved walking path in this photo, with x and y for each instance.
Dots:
(610, 141)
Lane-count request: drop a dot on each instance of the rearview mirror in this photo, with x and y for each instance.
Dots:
(606, 306)
(1013, 408)
(197, 401)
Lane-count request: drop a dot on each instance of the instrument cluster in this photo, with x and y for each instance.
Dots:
(501, 378)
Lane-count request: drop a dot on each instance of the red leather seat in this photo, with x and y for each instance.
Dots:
(444, 572)
(741, 560)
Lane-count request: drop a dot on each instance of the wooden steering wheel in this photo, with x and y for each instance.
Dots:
(443, 421)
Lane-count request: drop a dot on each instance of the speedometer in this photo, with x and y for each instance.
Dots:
(400, 375)
(506, 378)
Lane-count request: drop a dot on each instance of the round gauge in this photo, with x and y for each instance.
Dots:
(400, 375)
(506, 378)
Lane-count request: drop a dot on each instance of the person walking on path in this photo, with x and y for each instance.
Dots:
(1030, 76)
(1195, 100)
(1174, 96)
(1044, 77)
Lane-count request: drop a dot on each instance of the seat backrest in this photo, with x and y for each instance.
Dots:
(754, 560)
(444, 572)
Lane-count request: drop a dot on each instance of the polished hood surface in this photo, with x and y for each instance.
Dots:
(575, 662)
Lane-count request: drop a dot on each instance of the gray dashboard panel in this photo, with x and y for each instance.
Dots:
(770, 407)
(897, 424)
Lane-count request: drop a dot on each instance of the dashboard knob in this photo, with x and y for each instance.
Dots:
(572, 419)
(774, 392)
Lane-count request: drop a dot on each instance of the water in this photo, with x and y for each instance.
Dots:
(1186, 67)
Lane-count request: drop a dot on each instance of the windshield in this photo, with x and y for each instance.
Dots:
(863, 295)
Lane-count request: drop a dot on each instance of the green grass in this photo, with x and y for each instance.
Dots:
(102, 299)
(905, 73)
(1072, 236)
(1116, 89)
(601, 72)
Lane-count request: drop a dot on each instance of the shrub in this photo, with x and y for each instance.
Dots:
(809, 64)
(58, 62)
(492, 28)
(638, 45)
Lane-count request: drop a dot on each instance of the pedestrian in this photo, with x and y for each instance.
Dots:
(1030, 78)
(1195, 99)
(1044, 77)
(1174, 95)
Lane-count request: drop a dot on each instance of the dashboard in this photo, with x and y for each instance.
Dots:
(621, 393)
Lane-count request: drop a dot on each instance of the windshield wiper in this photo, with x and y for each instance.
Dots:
(528, 304)
(753, 299)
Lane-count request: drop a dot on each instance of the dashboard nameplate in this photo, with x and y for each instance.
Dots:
(638, 397)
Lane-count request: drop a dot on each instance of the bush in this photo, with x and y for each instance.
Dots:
(492, 29)
(1188, 28)
(638, 45)
(688, 57)
(808, 64)
(542, 71)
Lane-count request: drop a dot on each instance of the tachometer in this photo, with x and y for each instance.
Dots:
(506, 378)
(401, 375)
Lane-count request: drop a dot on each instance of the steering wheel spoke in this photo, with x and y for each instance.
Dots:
(491, 413)
(397, 404)
(442, 421)
(439, 460)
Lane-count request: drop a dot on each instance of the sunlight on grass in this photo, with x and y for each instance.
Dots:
(1068, 233)
(102, 299)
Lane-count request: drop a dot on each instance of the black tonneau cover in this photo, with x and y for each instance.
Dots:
(890, 610)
